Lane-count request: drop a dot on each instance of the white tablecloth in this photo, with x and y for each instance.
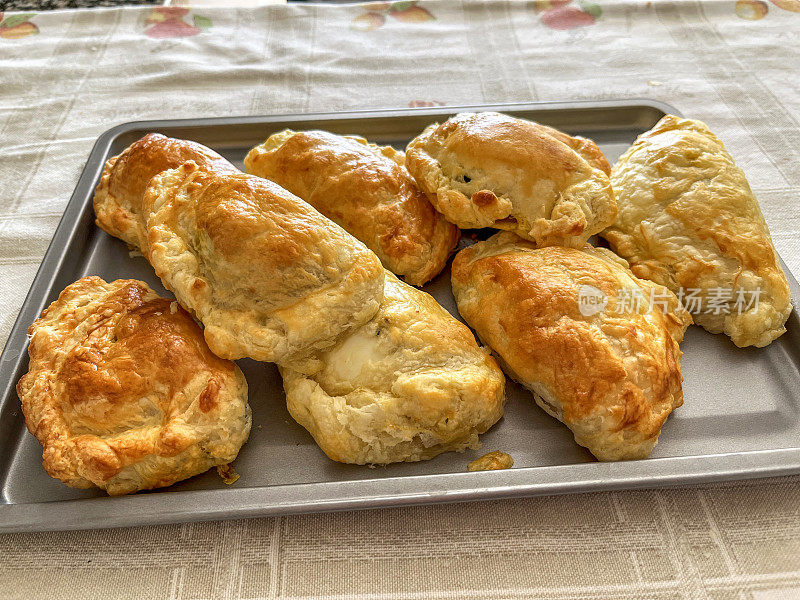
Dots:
(67, 76)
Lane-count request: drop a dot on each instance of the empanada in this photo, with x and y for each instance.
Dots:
(492, 170)
(410, 384)
(597, 346)
(689, 221)
(269, 277)
(123, 392)
(365, 189)
(118, 197)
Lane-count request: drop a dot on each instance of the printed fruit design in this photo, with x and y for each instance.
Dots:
(752, 10)
(424, 103)
(17, 26)
(167, 22)
(563, 15)
(790, 5)
(410, 14)
(375, 17)
(368, 21)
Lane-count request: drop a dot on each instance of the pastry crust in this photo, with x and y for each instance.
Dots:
(365, 189)
(410, 384)
(268, 276)
(588, 150)
(689, 221)
(118, 197)
(612, 376)
(492, 170)
(124, 394)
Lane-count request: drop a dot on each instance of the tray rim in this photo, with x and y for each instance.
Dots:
(170, 506)
(279, 500)
(117, 130)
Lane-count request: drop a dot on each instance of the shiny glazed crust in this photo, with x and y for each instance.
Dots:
(612, 378)
(688, 219)
(123, 392)
(588, 150)
(365, 189)
(492, 170)
(408, 385)
(118, 197)
(268, 276)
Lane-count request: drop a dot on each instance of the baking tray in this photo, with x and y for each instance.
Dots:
(740, 419)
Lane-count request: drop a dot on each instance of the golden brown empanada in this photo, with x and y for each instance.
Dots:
(492, 170)
(597, 346)
(365, 189)
(689, 221)
(408, 385)
(118, 197)
(123, 392)
(269, 277)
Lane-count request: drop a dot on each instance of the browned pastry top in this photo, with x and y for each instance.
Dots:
(492, 170)
(613, 376)
(124, 393)
(118, 199)
(365, 189)
(269, 277)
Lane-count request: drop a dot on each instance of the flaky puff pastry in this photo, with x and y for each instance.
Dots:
(611, 375)
(688, 220)
(269, 277)
(118, 197)
(123, 392)
(492, 170)
(365, 189)
(410, 384)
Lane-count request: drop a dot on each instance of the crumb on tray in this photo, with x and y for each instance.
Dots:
(228, 474)
(492, 461)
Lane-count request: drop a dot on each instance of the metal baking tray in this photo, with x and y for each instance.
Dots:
(740, 419)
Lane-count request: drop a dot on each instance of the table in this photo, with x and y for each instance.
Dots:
(66, 76)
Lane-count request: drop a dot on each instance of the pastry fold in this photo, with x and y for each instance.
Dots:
(269, 277)
(118, 197)
(408, 385)
(492, 170)
(597, 346)
(124, 394)
(689, 221)
(365, 189)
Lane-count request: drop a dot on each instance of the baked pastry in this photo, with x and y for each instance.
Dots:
(365, 189)
(118, 197)
(597, 346)
(492, 170)
(588, 150)
(268, 276)
(410, 384)
(123, 392)
(689, 221)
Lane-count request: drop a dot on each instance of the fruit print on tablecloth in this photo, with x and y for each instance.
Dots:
(377, 12)
(424, 103)
(563, 15)
(17, 26)
(174, 21)
(753, 10)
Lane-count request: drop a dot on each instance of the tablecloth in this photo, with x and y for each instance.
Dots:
(67, 76)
